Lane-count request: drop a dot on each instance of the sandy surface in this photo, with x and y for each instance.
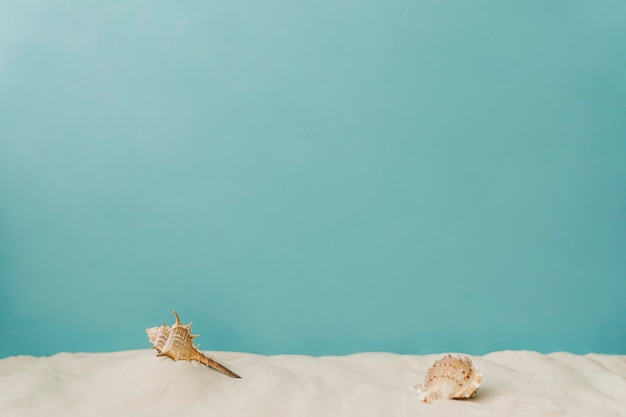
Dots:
(136, 383)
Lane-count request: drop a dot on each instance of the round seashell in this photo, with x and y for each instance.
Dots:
(176, 342)
(451, 377)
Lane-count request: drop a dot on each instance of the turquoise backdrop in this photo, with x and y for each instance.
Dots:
(318, 177)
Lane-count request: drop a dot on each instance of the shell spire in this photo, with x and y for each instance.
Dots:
(451, 377)
(176, 342)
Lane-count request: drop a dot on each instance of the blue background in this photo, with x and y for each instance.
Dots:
(319, 177)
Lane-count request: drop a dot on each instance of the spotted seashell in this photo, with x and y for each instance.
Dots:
(176, 342)
(449, 378)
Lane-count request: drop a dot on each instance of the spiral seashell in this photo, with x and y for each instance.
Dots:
(158, 336)
(450, 378)
(176, 342)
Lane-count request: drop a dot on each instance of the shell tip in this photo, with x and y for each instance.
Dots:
(177, 318)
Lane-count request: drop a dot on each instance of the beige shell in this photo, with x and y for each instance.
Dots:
(176, 342)
(450, 377)
(158, 336)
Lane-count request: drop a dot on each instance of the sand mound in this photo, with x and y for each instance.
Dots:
(136, 383)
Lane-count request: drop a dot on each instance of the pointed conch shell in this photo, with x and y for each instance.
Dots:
(176, 342)
(450, 377)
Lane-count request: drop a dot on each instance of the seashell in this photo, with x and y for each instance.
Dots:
(158, 336)
(449, 378)
(176, 342)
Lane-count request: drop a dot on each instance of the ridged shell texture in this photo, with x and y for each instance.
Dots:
(176, 342)
(449, 378)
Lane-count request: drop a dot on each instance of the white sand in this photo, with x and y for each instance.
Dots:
(136, 383)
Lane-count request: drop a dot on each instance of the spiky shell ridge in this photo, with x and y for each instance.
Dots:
(451, 377)
(176, 342)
